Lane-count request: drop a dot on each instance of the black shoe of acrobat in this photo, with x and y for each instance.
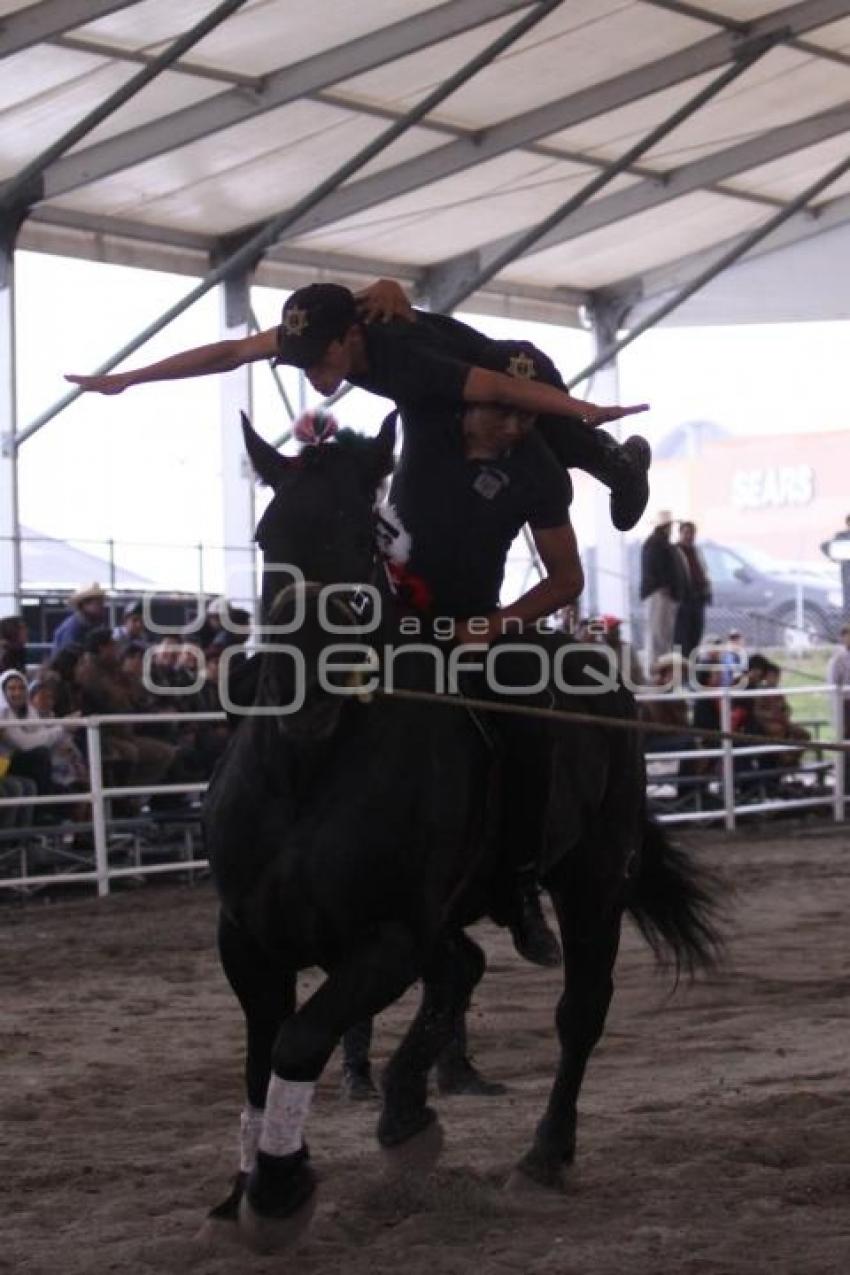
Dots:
(630, 490)
(358, 1085)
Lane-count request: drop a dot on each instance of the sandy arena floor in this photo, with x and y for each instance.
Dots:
(716, 1122)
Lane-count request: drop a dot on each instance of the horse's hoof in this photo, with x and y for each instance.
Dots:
(271, 1234)
(278, 1202)
(417, 1152)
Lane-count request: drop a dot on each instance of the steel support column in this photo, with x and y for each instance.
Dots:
(611, 569)
(10, 545)
(237, 480)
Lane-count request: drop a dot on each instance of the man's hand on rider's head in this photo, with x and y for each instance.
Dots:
(383, 301)
(113, 384)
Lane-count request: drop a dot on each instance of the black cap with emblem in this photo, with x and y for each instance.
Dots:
(313, 317)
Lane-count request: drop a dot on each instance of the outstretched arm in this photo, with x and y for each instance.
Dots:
(534, 396)
(221, 356)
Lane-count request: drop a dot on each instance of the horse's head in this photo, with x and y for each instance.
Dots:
(320, 521)
(321, 517)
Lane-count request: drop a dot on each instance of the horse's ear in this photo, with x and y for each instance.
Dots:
(384, 445)
(269, 465)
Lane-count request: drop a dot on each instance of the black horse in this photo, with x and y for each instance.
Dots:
(359, 834)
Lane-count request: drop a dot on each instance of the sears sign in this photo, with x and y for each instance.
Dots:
(773, 487)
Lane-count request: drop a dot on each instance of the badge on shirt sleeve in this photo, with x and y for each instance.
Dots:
(489, 482)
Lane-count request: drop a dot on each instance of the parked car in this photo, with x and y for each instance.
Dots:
(772, 603)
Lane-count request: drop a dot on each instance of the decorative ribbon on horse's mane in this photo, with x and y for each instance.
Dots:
(315, 427)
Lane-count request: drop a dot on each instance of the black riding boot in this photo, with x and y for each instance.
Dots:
(622, 469)
(357, 1082)
(455, 1072)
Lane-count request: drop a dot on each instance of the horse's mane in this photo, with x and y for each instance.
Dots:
(358, 446)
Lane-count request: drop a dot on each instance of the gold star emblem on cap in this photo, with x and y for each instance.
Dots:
(295, 321)
(521, 365)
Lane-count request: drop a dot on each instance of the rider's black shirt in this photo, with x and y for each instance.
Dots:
(462, 515)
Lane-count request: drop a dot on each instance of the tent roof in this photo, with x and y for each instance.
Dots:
(280, 95)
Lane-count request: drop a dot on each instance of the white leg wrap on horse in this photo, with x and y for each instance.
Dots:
(250, 1128)
(287, 1105)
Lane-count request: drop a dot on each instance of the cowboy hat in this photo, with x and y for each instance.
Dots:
(91, 593)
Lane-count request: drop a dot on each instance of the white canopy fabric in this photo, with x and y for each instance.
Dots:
(281, 94)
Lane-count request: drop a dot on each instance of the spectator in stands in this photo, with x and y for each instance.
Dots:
(62, 672)
(165, 667)
(733, 659)
(131, 628)
(709, 676)
(27, 747)
(131, 660)
(238, 631)
(660, 588)
(220, 621)
(607, 629)
(189, 663)
(69, 771)
(743, 706)
(136, 759)
(694, 591)
(772, 715)
(743, 714)
(88, 613)
(13, 643)
(669, 674)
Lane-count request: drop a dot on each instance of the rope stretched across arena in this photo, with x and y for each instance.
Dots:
(617, 723)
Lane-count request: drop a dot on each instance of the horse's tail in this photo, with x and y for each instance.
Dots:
(676, 904)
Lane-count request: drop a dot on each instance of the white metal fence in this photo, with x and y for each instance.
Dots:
(825, 778)
(822, 785)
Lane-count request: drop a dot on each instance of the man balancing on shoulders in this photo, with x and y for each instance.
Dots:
(410, 357)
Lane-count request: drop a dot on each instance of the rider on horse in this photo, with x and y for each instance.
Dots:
(471, 475)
